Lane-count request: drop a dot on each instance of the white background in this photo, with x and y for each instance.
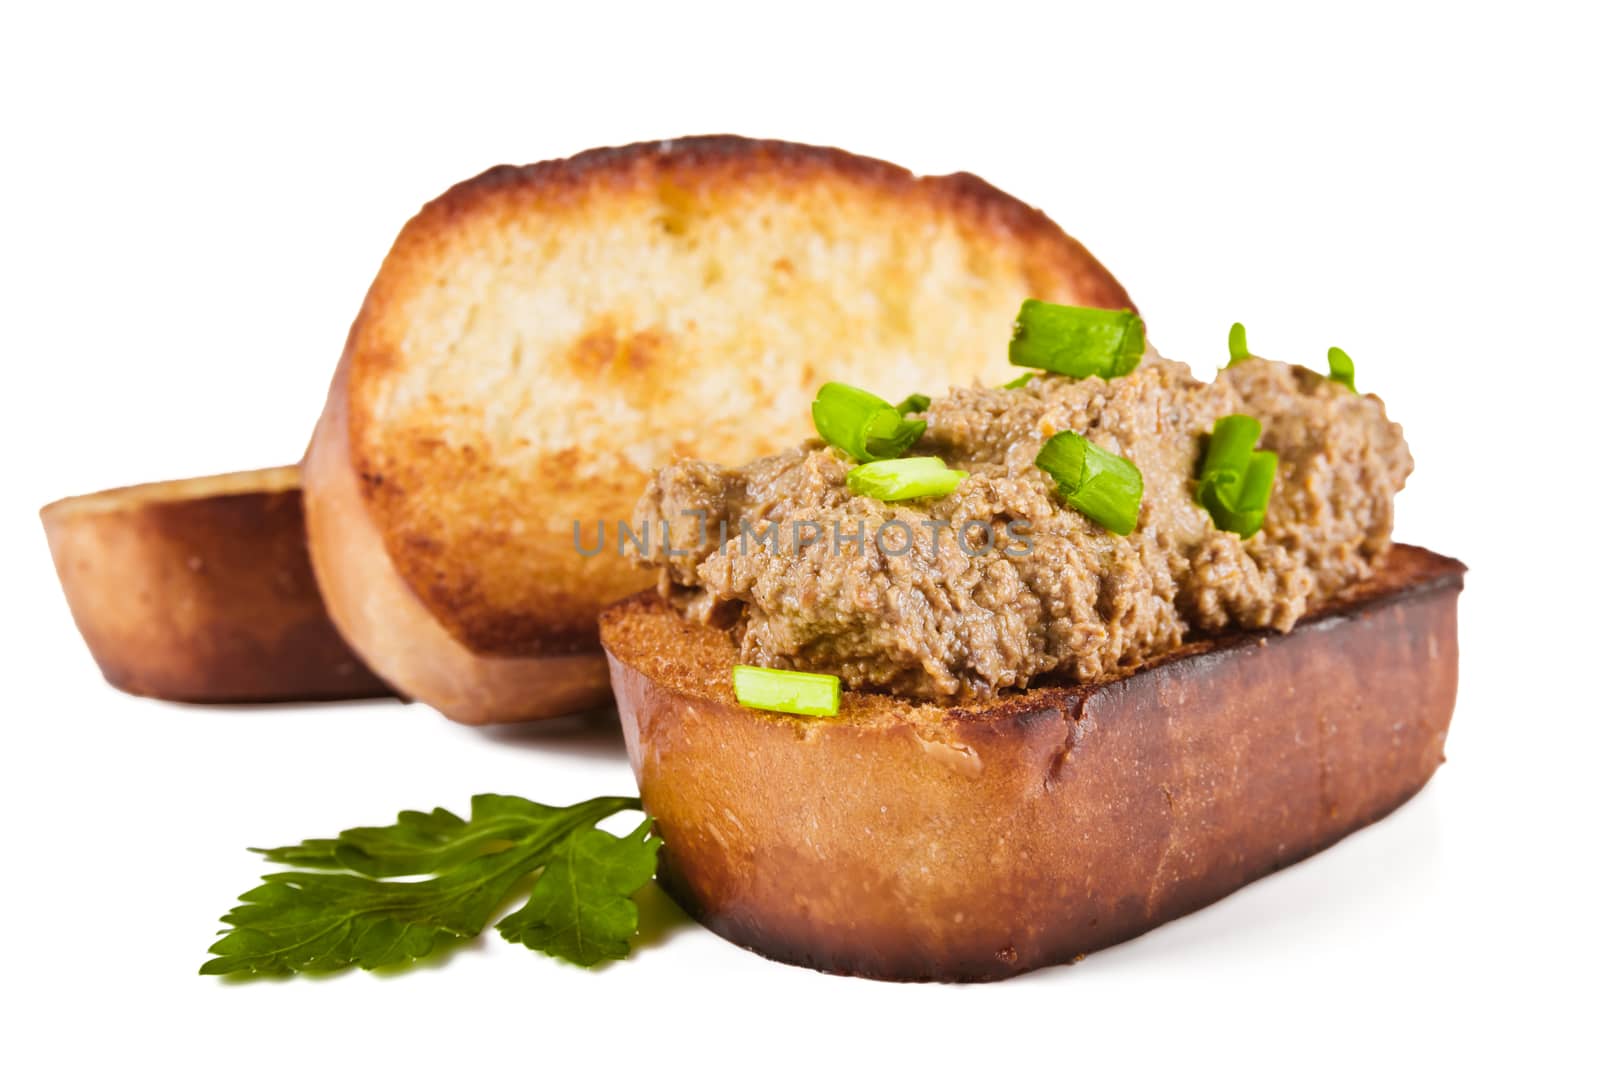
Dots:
(194, 203)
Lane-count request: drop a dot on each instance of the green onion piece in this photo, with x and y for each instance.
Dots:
(791, 692)
(904, 479)
(1236, 481)
(1101, 485)
(1255, 491)
(1341, 368)
(1237, 352)
(1233, 437)
(865, 426)
(1019, 382)
(1075, 341)
(914, 402)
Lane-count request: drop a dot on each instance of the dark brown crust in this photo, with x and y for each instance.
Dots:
(973, 844)
(206, 599)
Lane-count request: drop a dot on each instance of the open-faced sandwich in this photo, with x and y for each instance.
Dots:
(541, 338)
(970, 683)
(977, 683)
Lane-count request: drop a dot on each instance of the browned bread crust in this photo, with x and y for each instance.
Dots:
(540, 338)
(201, 590)
(377, 611)
(973, 843)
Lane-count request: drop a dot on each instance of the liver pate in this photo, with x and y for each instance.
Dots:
(999, 583)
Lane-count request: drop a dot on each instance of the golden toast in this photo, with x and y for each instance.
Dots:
(540, 338)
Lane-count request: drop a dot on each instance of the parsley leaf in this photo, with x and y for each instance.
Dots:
(317, 921)
(343, 912)
(425, 842)
(580, 909)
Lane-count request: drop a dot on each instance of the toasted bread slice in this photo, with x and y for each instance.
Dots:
(201, 590)
(919, 842)
(540, 338)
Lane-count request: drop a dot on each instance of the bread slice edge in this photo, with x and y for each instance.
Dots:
(200, 590)
(376, 610)
(973, 844)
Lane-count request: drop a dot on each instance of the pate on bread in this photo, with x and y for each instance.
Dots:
(541, 338)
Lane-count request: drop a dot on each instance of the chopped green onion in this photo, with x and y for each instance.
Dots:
(1255, 491)
(1019, 382)
(791, 692)
(865, 426)
(1237, 352)
(1076, 341)
(1236, 481)
(1233, 437)
(1341, 368)
(904, 479)
(914, 402)
(1100, 484)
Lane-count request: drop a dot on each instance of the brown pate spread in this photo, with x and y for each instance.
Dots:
(1000, 583)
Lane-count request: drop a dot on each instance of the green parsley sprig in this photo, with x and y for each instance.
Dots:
(343, 907)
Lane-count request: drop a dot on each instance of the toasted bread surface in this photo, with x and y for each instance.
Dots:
(375, 608)
(201, 590)
(927, 842)
(540, 338)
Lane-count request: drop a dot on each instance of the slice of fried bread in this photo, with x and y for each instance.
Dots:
(540, 338)
(925, 842)
(201, 590)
